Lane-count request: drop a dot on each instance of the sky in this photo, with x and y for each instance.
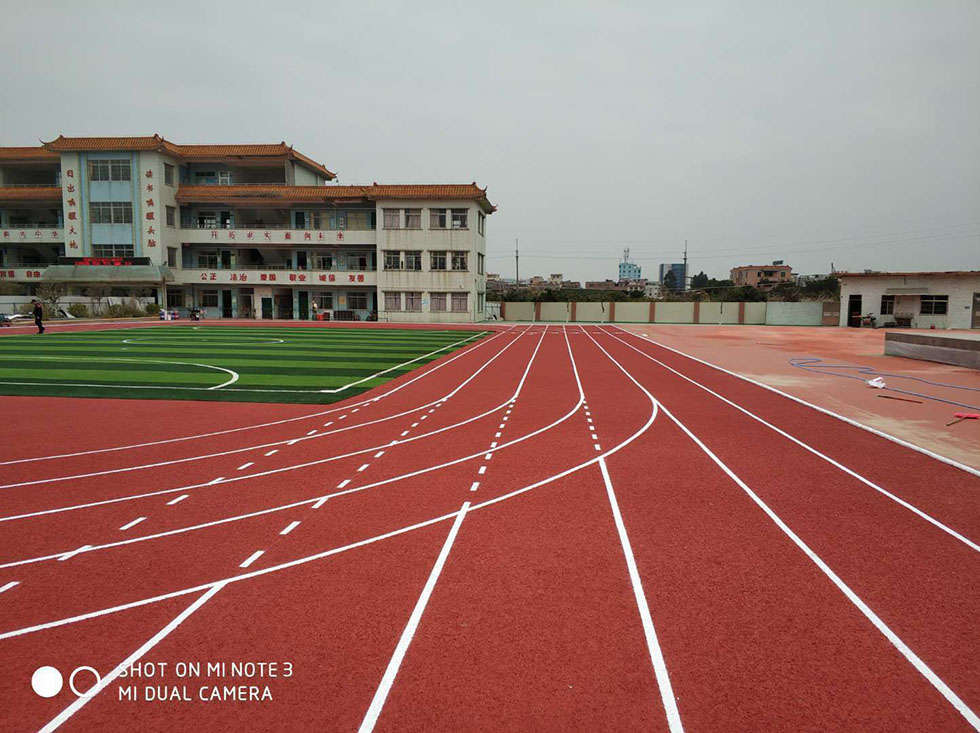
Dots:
(833, 133)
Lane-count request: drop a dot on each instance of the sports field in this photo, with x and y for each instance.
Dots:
(309, 365)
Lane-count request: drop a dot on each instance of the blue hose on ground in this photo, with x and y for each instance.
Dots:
(810, 364)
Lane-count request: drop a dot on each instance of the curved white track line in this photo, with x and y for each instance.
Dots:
(261, 446)
(257, 426)
(361, 543)
(898, 500)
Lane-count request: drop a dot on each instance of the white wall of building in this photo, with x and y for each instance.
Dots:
(959, 288)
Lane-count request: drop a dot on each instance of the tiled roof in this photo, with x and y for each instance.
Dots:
(30, 193)
(33, 153)
(335, 194)
(186, 152)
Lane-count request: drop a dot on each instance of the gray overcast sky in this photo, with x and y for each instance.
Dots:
(815, 132)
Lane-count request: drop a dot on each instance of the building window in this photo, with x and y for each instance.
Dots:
(171, 257)
(437, 260)
(887, 305)
(323, 262)
(459, 218)
(413, 302)
(207, 260)
(168, 174)
(324, 301)
(393, 219)
(175, 298)
(934, 305)
(413, 218)
(209, 298)
(357, 301)
(459, 261)
(481, 222)
(108, 170)
(437, 218)
(479, 263)
(393, 259)
(112, 250)
(111, 212)
(413, 259)
(171, 216)
(393, 301)
(437, 302)
(459, 302)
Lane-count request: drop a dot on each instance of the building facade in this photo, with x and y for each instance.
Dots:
(763, 277)
(914, 299)
(629, 271)
(239, 231)
(680, 274)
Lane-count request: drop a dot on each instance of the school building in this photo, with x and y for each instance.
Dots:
(240, 231)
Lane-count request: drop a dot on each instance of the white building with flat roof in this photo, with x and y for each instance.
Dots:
(915, 299)
(240, 231)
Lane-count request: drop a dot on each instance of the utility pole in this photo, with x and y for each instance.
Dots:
(517, 263)
(684, 281)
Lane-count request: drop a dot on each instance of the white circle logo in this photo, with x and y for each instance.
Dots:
(47, 681)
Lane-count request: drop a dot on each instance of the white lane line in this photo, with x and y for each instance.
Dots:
(294, 441)
(69, 555)
(483, 470)
(289, 528)
(343, 483)
(8, 586)
(653, 645)
(488, 456)
(496, 435)
(588, 420)
(342, 417)
(216, 480)
(597, 447)
(328, 424)
(379, 454)
(493, 444)
(320, 502)
(132, 524)
(431, 411)
(272, 452)
(363, 466)
(252, 558)
(414, 425)
(594, 436)
(867, 482)
(107, 680)
(474, 486)
(501, 426)
(423, 417)
(404, 433)
(505, 418)
(381, 694)
(355, 409)
(245, 465)
(312, 432)
(177, 500)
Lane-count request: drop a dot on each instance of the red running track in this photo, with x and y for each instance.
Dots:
(553, 528)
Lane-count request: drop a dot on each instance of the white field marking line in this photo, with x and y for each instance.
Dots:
(379, 454)
(404, 433)
(414, 425)
(260, 446)
(221, 479)
(108, 679)
(474, 486)
(257, 426)
(320, 502)
(272, 452)
(245, 465)
(363, 466)
(70, 555)
(342, 484)
(597, 446)
(289, 528)
(132, 524)
(867, 482)
(482, 470)
(342, 417)
(423, 417)
(388, 678)
(234, 374)
(493, 444)
(488, 456)
(399, 366)
(824, 410)
(916, 662)
(496, 435)
(177, 500)
(653, 644)
(312, 432)
(328, 423)
(252, 558)
(7, 586)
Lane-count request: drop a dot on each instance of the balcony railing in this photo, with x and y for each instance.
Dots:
(350, 268)
(36, 225)
(53, 184)
(264, 226)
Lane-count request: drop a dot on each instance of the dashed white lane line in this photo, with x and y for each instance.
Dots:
(594, 436)
(272, 452)
(493, 444)
(414, 425)
(355, 409)
(245, 465)
(132, 524)
(342, 417)
(343, 483)
(216, 481)
(363, 466)
(328, 424)
(289, 528)
(488, 456)
(404, 433)
(597, 447)
(423, 417)
(431, 411)
(505, 418)
(501, 426)
(177, 500)
(379, 454)
(312, 432)
(252, 558)
(9, 585)
(483, 470)
(70, 555)
(496, 435)
(474, 486)
(292, 442)
(320, 503)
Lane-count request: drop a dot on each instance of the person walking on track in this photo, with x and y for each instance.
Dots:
(38, 316)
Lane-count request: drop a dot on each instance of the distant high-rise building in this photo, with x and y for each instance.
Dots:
(629, 271)
(680, 274)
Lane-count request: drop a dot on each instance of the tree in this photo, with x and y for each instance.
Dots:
(700, 280)
(96, 293)
(50, 294)
(670, 281)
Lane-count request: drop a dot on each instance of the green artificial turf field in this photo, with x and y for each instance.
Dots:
(244, 364)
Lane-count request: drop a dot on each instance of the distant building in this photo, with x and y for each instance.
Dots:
(763, 277)
(916, 299)
(629, 271)
(653, 290)
(680, 274)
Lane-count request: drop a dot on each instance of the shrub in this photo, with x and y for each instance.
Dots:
(79, 310)
(152, 309)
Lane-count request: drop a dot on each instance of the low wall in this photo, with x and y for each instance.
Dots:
(770, 314)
